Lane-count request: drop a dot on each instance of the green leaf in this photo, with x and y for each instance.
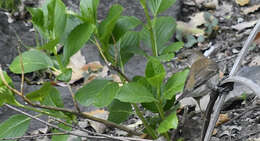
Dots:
(76, 39)
(154, 72)
(37, 18)
(174, 47)
(154, 6)
(98, 92)
(129, 45)
(175, 84)
(15, 126)
(50, 46)
(47, 95)
(119, 111)
(56, 18)
(165, 57)
(135, 93)
(6, 95)
(124, 24)
(72, 22)
(168, 123)
(158, 6)
(88, 9)
(33, 60)
(164, 28)
(65, 76)
(165, 5)
(107, 25)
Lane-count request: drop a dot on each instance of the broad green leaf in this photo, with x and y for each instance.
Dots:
(71, 23)
(154, 72)
(61, 137)
(98, 92)
(164, 28)
(107, 25)
(158, 6)
(165, 4)
(50, 46)
(33, 60)
(129, 45)
(6, 95)
(76, 39)
(37, 18)
(154, 6)
(50, 96)
(174, 47)
(124, 24)
(170, 122)
(165, 57)
(65, 76)
(47, 95)
(119, 111)
(15, 126)
(88, 9)
(56, 18)
(175, 84)
(135, 93)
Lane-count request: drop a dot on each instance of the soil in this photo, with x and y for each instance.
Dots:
(244, 114)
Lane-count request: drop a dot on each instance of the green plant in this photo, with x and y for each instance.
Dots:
(9, 5)
(117, 40)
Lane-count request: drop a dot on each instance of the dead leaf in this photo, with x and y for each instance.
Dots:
(99, 127)
(244, 25)
(77, 61)
(222, 119)
(257, 38)
(92, 66)
(215, 131)
(242, 2)
(197, 19)
(255, 61)
(189, 29)
(251, 9)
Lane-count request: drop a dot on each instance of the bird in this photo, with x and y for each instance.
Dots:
(202, 70)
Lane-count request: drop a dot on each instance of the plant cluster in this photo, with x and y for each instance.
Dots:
(117, 40)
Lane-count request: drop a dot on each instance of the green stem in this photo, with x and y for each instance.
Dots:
(161, 111)
(150, 131)
(150, 28)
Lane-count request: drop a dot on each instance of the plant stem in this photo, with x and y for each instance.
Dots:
(150, 28)
(150, 130)
(161, 111)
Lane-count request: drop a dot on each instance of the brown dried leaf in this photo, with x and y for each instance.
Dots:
(222, 119)
(92, 66)
(242, 2)
(251, 9)
(257, 38)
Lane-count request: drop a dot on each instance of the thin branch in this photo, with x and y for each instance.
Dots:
(49, 124)
(98, 134)
(73, 99)
(32, 136)
(22, 67)
(83, 115)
